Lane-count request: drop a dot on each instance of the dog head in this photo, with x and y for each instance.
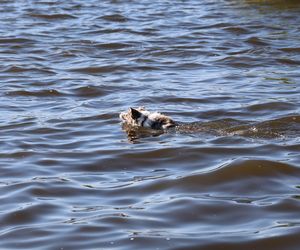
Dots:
(140, 117)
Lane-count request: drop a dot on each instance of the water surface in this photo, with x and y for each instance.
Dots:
(72, 178)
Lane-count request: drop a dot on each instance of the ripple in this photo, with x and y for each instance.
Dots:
(41, 93)
(16, 40)
(31, 213)
(256, 41)
(90, 91)
(291, 50)
(237, 30)
(17, 155)
(288, 61)
(271, 106)
(52, 16)
(24, 69)
(115, 18)
(100, 69)
(113, 46)
(255, 177)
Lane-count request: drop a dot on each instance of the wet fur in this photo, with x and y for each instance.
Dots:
(140, 117)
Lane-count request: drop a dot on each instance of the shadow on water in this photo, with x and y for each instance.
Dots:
(288, 126)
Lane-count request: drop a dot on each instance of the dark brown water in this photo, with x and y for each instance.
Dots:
(71, 178)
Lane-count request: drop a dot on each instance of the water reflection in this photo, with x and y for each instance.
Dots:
(135, 133)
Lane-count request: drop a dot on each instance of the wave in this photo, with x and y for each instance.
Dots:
(52, 16)
(40, 93)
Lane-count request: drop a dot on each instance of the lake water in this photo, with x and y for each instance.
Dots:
(72, 178)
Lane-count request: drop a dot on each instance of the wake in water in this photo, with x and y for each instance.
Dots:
(145, 124)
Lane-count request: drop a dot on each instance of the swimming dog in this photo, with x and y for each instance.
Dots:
(140, 117)
(138, 122)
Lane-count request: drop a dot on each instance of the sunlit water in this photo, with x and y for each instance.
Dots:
(72, 178)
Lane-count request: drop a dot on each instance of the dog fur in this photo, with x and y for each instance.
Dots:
(140, 117)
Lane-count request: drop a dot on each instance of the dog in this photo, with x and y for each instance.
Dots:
(138, 123)
(140, 117)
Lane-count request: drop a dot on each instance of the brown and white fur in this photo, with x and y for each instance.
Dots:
(139, 117)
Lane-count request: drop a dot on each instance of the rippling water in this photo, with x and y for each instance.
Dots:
(72, 178)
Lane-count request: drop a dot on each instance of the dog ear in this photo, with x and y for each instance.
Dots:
(135, 114)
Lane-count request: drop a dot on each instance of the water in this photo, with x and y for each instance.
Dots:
(71, 178)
